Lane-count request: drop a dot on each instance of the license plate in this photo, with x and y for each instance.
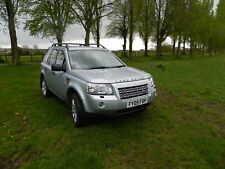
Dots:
(136, 102)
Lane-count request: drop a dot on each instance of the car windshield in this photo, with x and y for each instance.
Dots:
(93, 59)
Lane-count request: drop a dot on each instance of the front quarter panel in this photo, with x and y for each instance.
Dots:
(79, 86)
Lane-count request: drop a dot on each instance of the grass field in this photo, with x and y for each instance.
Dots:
(183, 129)
(23, 59)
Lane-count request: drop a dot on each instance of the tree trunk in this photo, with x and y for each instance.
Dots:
(59, 38)
(98, 28)
(87, 36)
(158, 49)
(12, 31)
(124, 45)
(174, 46)
(131, 29)
(158, 38)
(184, 47)
(98, 32)
(131, 44)
(191, 48)
(146, 28)
(146, 47)
(125, 33)
(178, 47)
(98, 20)
(203, 50)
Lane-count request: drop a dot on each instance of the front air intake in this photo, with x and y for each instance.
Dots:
(134, 91)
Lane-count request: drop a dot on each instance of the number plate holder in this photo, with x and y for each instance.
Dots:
(137, 102)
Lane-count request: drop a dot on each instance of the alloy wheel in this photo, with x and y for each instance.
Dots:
(44, 88)
(74, 110)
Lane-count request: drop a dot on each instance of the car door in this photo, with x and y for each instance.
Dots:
(60, 85)
(48, 71)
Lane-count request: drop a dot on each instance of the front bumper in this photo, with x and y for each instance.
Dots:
(113, 104)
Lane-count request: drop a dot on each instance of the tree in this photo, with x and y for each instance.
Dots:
(218, 31)
(161, 15)
(119, 22)
(97, 25)
(177, 23)
(204, 22)
(134, 8)
(88, 13)
(145, 23)
(9, 9)
(199, 14)
(131, 25)
(48, 18)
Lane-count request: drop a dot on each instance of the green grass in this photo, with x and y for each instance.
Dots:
(183, 129)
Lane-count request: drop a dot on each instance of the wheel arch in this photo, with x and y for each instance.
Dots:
(70, 91)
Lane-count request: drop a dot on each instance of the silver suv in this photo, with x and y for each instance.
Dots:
(93, 80)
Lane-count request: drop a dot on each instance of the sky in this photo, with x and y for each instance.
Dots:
(74, 33)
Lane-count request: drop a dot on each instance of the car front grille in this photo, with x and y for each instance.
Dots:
(134, 91)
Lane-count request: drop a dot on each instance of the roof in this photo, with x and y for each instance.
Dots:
(85, 48)
(78, 46)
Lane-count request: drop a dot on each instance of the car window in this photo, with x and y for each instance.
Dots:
(60, 58)
(92, 59)
(52, 57)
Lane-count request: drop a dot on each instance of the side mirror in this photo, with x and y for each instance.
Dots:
(58, 68)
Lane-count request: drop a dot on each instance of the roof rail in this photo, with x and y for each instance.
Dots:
(67, 45)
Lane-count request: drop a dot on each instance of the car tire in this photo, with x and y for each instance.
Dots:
(77, 110)
(44, 88)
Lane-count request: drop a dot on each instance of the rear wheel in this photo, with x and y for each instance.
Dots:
(44, 88)
(78, 114)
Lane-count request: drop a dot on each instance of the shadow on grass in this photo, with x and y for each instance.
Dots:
(102, 119)
(94, 119)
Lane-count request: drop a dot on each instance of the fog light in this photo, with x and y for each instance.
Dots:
(101, 105)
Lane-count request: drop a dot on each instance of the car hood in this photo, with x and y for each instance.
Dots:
(112, 75)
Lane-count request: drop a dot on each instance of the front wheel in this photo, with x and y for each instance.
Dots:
(44, 88)
(78, 114)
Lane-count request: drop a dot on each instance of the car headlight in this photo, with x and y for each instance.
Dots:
(151, 81)
(99, 89)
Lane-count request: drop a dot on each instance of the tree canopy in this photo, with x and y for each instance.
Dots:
(48, 17)
(195, 25)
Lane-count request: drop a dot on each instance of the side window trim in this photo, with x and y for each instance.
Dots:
(60, 50)
(49, 57)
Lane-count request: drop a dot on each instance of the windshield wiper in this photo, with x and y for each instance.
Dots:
(100, 67)
(118, 66)
(104, 67)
